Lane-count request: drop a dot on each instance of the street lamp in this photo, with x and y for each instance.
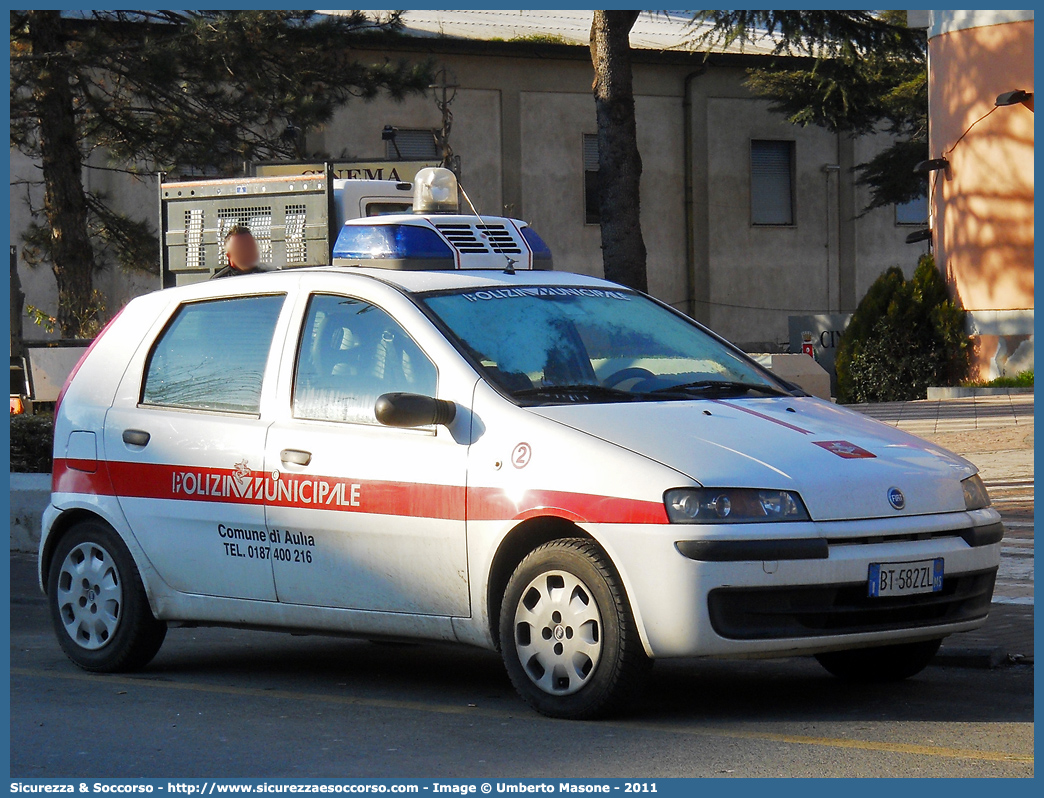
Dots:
(388, 134)
(1017, 97)
(919, 235)
(931, 165)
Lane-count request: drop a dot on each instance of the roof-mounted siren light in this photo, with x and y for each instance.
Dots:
(541, 251)
(435, 191)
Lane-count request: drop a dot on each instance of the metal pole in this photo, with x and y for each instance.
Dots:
(164, 264)
(828, 169)
(690, 215)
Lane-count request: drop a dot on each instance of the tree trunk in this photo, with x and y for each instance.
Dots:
(65, 208)
(619, 163)
(17, 307)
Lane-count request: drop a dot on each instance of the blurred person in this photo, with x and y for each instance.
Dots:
(242, 254)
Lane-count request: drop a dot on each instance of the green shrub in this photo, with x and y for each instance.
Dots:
(1024, 379)
(904, 336)
(32, 439)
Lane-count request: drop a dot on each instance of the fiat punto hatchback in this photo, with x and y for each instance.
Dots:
(545, 464)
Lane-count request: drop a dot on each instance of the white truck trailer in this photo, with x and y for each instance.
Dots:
(295, 218)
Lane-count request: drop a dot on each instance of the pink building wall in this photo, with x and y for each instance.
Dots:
(982, 205)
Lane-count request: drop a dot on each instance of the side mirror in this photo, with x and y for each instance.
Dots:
(413, 410)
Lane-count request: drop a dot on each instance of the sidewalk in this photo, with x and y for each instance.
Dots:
(937, 416)
(995, 433)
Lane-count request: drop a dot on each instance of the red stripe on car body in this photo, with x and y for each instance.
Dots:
(762, 415)
(306, 491)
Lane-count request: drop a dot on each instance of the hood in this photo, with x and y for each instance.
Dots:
(843, 464)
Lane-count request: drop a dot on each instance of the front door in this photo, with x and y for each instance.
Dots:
(364, 517)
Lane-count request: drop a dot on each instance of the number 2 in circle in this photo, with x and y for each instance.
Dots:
(521, 454)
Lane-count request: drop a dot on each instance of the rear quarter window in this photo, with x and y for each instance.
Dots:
(212, 355)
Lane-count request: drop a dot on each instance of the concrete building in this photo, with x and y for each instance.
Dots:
(747, 218)
(982, 195)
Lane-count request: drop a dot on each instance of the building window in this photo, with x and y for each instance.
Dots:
(771, 182)
(411, 145)
(592, 211)
(914, 212)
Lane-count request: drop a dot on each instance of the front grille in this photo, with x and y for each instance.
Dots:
(818, 610)
(904, 538)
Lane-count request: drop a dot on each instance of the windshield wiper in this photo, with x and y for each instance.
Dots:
(720, 386)
(588, 389)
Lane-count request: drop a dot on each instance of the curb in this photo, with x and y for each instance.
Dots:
(965, 393)
(983, 658)
(30, 495)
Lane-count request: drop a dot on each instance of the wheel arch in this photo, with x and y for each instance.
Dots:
(66, 520)
(519, 542)
(58, 530)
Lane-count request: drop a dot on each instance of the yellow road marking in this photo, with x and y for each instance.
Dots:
(448, 709)
(842, 742)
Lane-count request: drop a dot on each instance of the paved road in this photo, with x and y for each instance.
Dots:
(233, 703)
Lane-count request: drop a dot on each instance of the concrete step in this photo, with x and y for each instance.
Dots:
(30, 494)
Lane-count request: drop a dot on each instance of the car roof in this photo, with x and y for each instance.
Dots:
(462, 279)
(407, 281)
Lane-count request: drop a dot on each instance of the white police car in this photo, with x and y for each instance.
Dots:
(542, 463)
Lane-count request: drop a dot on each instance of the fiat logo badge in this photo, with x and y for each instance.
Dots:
(896, 498)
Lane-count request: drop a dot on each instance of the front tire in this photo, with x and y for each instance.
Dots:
(98, 605)
(569, 642)
(882, 664)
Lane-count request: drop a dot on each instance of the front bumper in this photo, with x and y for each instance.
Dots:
(811, 596)
(773, 613)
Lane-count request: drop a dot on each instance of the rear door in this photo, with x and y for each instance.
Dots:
(365, 516)
(185, 442)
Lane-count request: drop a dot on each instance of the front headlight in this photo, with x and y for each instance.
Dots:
(733, 506)
(975, 495)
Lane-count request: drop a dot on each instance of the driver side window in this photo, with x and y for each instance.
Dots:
(350, 352)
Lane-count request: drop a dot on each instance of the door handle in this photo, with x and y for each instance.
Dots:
(295, 457)
(136, 437)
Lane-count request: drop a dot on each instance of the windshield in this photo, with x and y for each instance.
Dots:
(551, 344)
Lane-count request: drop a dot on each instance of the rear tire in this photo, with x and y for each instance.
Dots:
(97, 601)
(569, 642)
(882, 664)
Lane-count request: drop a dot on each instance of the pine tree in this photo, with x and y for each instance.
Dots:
(865, 71)
(158, 90)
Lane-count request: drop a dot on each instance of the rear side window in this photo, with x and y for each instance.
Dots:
(350, 353)
(212, 355)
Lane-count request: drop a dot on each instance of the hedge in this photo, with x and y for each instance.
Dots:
(904, 336)
(32, 439)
